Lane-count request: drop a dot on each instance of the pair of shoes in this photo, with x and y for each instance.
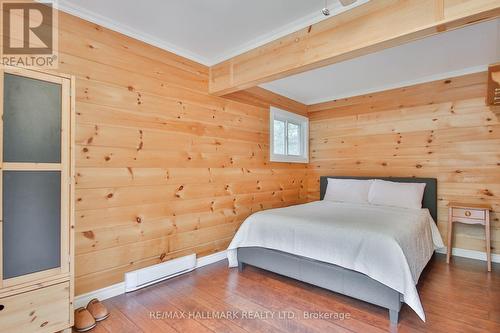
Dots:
(87, 318)
(83, 320)
(97, 310)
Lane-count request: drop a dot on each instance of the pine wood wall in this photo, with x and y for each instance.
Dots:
(163, 169)
(440, 129)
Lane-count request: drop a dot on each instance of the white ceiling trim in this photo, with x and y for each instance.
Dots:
(287, 29)
(430, 78)
(294, 26)
(123, 29)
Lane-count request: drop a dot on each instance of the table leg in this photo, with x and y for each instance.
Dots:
(450, 228)
(488, 240)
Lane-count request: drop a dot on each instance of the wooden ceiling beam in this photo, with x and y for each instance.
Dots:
(264, 98)
(376, 25)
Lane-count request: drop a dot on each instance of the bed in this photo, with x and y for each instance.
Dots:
(367, 252)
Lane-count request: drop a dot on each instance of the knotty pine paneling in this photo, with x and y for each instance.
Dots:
(440, 129)
(163, 168)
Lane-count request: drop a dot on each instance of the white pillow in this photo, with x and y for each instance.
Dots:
(348, 190)
(405, 195)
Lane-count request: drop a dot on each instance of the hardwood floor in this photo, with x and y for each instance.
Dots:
(461, 297)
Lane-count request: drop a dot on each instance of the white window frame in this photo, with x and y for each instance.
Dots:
(285, 116)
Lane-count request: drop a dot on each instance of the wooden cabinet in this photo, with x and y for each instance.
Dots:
(36, 201)
(493, 94)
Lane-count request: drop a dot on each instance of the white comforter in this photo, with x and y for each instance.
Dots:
(390, 245)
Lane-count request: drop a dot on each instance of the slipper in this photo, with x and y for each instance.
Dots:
(84, 321)
(97, 310)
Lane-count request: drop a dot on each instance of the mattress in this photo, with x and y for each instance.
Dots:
(391, 245)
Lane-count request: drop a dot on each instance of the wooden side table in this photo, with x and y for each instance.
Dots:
(469, 214)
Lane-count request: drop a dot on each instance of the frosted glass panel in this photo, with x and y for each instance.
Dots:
(32, 120)
(31, 222)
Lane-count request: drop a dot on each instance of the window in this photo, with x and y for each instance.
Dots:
(289, 137)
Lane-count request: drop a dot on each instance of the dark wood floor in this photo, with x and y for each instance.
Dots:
(461, 297)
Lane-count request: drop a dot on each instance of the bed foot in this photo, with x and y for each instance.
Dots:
(241, 266)
(394, 317)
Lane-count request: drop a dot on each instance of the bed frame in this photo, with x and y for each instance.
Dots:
(333, 277)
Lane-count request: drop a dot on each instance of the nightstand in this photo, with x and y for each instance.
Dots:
(470, 214)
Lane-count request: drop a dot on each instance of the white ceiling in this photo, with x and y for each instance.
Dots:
(467, 50)
(207, 31)
(210, 31)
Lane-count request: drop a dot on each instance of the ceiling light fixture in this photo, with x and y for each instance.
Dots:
(325, 10)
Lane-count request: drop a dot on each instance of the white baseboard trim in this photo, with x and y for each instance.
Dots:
(101, 294)
(471, 254)
(211, 259)
(119, 288)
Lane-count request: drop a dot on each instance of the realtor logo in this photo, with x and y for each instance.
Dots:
(29, 34)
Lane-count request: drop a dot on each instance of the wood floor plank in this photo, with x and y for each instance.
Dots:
(274, 301)
(156, 303)
(118, 322)
(202, 312)
(461, 297)
(189, 288)
(249, 306)
(300, 294)
(97, 329)
(139, 315)
(226, 291)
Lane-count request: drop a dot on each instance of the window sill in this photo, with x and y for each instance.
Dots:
(289, 159)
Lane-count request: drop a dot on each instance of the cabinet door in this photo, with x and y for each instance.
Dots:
(35, 176)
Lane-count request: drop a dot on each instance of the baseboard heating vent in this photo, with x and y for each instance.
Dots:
(153, 274)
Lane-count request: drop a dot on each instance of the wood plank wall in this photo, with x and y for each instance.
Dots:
(441, 129)
(163, 168)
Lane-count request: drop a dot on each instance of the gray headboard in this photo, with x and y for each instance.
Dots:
(430, 193)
